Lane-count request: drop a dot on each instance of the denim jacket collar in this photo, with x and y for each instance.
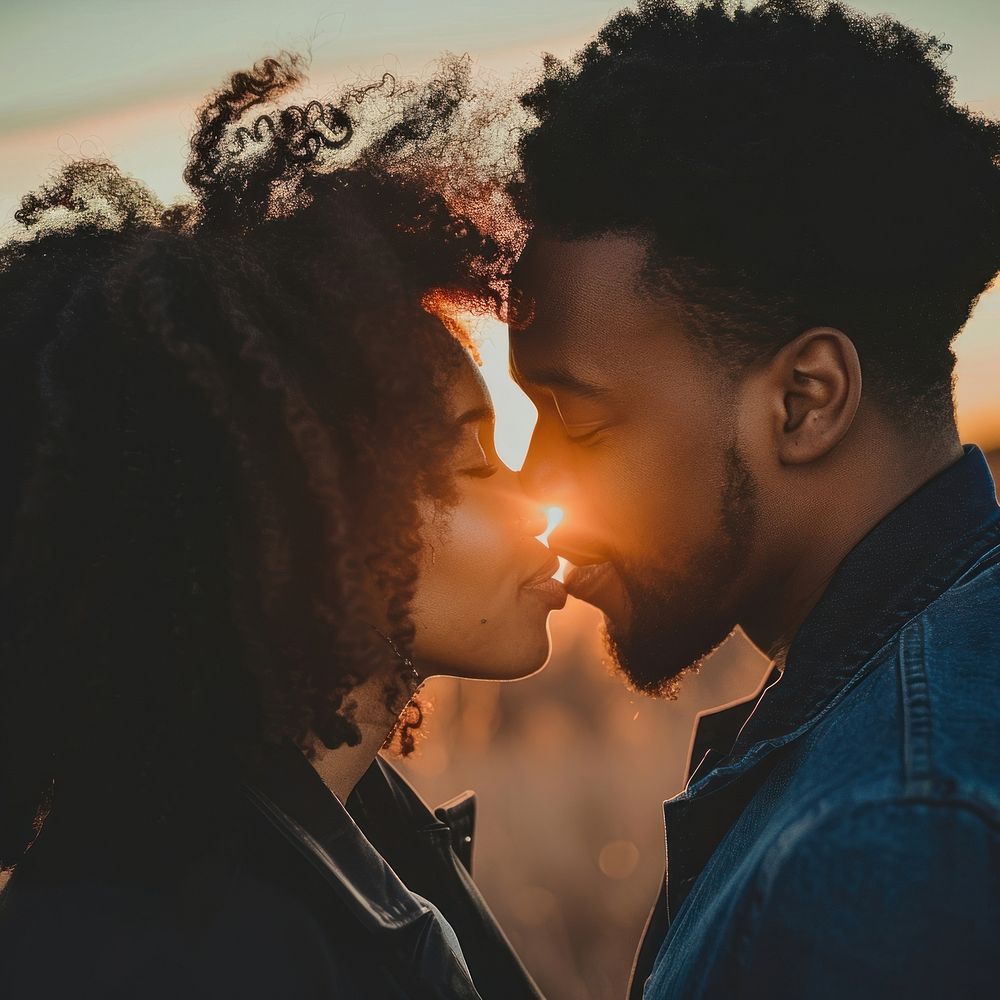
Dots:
(909, 558)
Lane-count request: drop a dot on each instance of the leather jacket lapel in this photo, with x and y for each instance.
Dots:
(319, 828)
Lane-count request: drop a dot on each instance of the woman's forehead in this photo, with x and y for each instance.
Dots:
(469, 391)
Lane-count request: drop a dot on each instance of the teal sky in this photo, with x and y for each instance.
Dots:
(68, 65)
(64, 58)
(77, 57)
(121, 78)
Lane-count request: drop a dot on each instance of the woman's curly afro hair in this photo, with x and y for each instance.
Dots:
(217, 420)
(793, 164)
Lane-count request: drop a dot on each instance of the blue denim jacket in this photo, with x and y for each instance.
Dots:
(846, 844)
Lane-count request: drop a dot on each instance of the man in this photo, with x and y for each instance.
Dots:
(754, 236)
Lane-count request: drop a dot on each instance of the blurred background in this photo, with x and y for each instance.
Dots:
(571, 769)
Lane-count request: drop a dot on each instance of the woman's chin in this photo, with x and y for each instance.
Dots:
(518, 672)
(516, 664)
(514, 668)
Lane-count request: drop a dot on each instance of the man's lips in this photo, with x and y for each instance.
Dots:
(598, 584)
(582, 581)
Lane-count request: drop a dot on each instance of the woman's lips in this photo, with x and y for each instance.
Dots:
(551, 591)
(543, 585)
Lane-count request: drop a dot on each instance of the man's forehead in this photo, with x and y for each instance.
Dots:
(576, 307)
(555, 268)
(583, 372)
(577, 288)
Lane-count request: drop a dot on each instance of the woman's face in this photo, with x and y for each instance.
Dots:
(485, 588)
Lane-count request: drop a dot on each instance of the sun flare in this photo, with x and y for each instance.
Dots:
(554, 515)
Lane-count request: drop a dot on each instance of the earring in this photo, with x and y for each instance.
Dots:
(407, 662)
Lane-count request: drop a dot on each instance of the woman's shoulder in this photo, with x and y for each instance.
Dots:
(221, 924)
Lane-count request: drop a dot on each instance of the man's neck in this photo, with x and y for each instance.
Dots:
(773, 625)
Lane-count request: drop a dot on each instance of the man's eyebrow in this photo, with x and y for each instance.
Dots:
(558, 378)
(476, 415)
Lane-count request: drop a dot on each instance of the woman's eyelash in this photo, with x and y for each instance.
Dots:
(482, 471)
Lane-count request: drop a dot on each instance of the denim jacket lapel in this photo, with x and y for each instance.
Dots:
(908, 559)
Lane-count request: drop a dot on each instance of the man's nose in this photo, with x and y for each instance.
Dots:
(542, 476)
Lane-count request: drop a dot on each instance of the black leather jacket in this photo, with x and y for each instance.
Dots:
(295, 904)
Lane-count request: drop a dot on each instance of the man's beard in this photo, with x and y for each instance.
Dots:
(675, 622)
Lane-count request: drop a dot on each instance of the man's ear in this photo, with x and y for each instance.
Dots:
(815, 388)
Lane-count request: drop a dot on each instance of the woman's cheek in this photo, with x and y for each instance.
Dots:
(478, 554)
(466, 564)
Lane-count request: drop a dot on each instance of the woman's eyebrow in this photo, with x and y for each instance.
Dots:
(477, 414)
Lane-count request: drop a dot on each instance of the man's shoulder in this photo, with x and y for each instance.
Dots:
(923, 715)
(960, 628)
(813, 917)
(948, 679)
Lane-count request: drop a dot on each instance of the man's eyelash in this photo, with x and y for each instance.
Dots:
(584, 438)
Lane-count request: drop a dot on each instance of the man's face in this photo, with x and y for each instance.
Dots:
(637, 439)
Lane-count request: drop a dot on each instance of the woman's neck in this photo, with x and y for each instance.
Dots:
(375, 715)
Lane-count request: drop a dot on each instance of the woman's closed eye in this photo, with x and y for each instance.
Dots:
(482, 471)
(479, 457)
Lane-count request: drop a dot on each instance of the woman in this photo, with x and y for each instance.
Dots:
(255, 503)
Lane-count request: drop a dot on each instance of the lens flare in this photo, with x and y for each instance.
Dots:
(554, 516)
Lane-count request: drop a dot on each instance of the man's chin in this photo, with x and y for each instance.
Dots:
(656, 664)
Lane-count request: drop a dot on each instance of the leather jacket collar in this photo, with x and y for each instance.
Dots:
(293, 799)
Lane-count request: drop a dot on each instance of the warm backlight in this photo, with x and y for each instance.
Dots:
(515, 413)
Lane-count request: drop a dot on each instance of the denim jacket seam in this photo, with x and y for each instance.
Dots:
(916, 706)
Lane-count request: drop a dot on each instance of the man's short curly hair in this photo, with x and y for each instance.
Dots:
(217, 421)
(795, 164)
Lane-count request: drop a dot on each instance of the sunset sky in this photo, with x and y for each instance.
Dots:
(121, 78)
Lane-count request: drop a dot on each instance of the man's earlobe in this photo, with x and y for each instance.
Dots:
(818, 379)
